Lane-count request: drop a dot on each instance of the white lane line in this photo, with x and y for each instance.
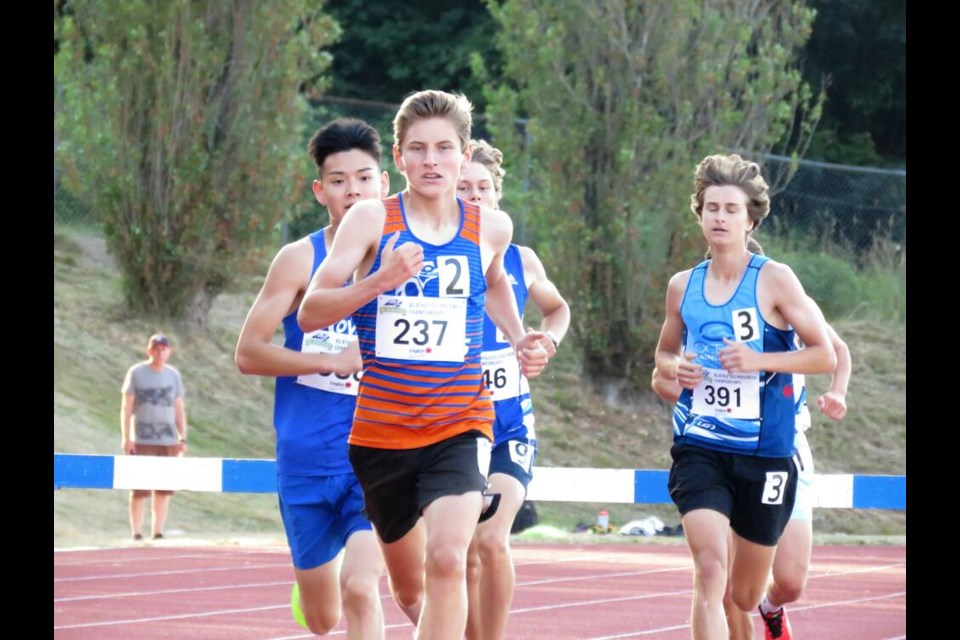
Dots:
(339, 633)
(164, 592)
(842, 603)
(114, 576)
(517, 611)
(118, 560)
(600, 576)
(847, 572)
(205, 614)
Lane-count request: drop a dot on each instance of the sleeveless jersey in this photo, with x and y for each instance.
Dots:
(800, 394)
(746, 413)
(803, 411)
(312, 414)
(509, 388)
(422, 380)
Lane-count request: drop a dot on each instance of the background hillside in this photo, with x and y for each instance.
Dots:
(96, 338)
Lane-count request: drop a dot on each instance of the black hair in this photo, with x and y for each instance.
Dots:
(343, 134)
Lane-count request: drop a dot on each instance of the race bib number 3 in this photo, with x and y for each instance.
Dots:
(324, 341)
(501, 373)
(418, 328)
(745, 324)
(774, 487)
(728, 395)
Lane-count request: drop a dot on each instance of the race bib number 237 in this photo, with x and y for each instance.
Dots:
(420, 328)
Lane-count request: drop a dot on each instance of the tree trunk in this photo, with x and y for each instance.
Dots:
(197, 314)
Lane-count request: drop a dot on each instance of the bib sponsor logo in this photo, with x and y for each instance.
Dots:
(393, 305)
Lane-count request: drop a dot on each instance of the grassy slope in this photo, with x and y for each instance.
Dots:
(96, 339)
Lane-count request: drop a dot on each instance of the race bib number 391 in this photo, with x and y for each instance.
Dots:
(722, 394)
(419, 328)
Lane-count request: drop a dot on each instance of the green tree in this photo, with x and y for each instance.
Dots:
(390, 49)
(181, 122)
(859, 49)
(623, 99)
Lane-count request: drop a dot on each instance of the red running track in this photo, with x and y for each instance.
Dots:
(582, 592)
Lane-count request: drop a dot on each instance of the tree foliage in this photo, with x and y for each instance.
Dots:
(859, 50)
(391, 49)
(181, 122)
(623, 100)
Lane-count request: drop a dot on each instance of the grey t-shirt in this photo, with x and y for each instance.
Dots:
(154, 393)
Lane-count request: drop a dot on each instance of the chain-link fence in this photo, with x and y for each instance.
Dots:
(856, 213)
(851, 212)
(70, 209)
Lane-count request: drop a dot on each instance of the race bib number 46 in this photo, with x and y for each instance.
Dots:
(722, 394)
(419, 328)
(324, 341)
(501, 373)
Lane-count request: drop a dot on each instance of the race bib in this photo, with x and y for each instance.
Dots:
(454, 274)
(722, 394)
(501, 373)
(324, 341)
(746, 326)
(774, 487)
(419, 328)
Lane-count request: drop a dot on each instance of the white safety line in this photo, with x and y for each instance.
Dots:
(166, 573)
(843, 603)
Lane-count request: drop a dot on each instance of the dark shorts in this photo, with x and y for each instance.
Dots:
(319, 514)
(756, 494)
(515, 458)
(161, 451)
(399, 483)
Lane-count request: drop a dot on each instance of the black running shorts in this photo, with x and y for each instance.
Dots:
(399, 483)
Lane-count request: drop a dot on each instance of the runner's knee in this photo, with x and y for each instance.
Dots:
(447, 561)
(358, 593)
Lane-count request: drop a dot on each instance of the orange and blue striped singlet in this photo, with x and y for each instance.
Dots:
(422, 378)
